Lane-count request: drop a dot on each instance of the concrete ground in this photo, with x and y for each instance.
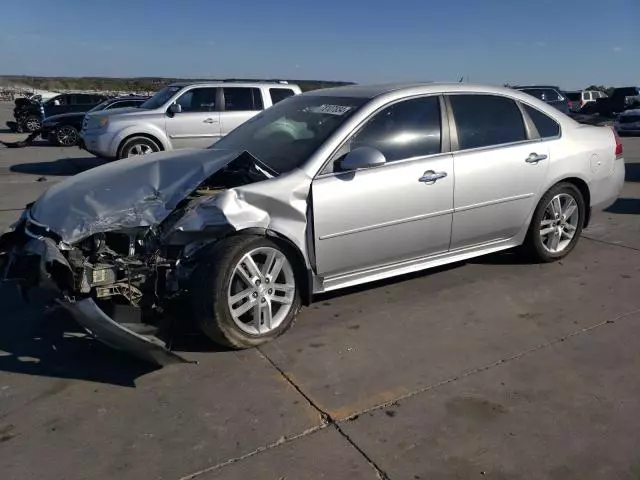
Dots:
(487, 369)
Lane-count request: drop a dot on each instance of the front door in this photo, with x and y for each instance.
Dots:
(198, 124)
(391, 213)
(499, 170)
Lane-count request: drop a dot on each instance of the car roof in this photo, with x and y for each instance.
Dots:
(128, 97)
(220, 83)
(372, 91)
(521, 87)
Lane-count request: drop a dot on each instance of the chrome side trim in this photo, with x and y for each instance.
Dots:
(386, 271)
(202, 135)
(494, 202)
(387, 224)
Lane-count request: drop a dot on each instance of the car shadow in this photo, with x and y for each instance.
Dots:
(62, 167)
(625, 206)
(53, 345)
(632, 172)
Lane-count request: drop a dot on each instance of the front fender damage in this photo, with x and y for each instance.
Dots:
(279, 207)
(139, 255)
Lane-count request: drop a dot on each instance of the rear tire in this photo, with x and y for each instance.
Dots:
(267, 300)
(556, 224)
(137, 146)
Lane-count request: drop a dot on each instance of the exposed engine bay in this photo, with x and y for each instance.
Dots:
(120, 279)
(144, 266)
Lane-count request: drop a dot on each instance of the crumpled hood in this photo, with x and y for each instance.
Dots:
(61, 117)
(128, 193)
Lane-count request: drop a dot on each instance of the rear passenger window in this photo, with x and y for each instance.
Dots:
(279, 94)
(407, 129)
(242, 99)
(486, 120)
(547, 126)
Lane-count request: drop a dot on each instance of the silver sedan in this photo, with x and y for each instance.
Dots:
(324, 190)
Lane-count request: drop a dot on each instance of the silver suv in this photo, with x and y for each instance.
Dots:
(181, 115)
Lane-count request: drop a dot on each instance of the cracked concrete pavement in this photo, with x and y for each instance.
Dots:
(487, 369)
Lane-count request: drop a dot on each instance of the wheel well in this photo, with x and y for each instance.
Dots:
(586, 195)
(142, 135)
(303, 275)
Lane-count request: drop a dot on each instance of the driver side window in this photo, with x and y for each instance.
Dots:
(407, 129)
(198, 100)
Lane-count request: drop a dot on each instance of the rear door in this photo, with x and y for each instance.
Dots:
(239, 105)
(279, 94)
(198, 125)
(499, 169)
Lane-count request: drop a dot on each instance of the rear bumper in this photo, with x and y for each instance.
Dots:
(609, 188)
(43, 273)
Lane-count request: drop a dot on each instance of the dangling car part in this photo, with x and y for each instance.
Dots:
(322, 191)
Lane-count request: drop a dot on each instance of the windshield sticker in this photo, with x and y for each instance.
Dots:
(330, 109)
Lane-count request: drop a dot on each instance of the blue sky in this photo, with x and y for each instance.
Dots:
(571, 43)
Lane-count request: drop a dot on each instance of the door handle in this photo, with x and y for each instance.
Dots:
(210, 120)
(431, 177)
(535, 158)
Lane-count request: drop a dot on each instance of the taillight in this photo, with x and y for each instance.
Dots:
(570, 103)
(618, 143)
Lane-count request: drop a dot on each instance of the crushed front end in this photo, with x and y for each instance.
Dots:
(113, 284)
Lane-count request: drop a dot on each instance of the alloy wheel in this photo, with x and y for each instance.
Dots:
(261, 290)
(32, 124)
(139, 149)
(559, 223)
(67, 136)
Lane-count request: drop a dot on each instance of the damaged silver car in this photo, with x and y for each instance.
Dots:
(324, 190)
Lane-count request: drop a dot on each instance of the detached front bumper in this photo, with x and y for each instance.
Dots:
(42, 271)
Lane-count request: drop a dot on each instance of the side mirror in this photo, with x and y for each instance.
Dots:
(362, 157)
(175, 108)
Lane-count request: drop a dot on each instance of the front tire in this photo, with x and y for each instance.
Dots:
(31, 124)
(66, 136)
(246, 293)
(556, 224)
(137, 146)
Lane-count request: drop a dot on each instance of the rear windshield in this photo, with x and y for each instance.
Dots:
(574, 96)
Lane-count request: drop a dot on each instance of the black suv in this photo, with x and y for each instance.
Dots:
(29, 114)
(549, 94)
(64, 129)
(621, 99)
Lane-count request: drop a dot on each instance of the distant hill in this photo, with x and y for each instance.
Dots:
(137, 84)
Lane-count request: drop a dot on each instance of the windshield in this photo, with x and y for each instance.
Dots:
(160, 98)
(284, 136)
(100, 106)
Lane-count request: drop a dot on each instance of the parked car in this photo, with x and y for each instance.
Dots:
(579, 99)
(182, 115)
(303, 199)
(628, 122)
(29, 114)
(621, 99)
(64, 129)
(548, 94)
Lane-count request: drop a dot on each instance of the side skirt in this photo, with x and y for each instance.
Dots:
(386, 271)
